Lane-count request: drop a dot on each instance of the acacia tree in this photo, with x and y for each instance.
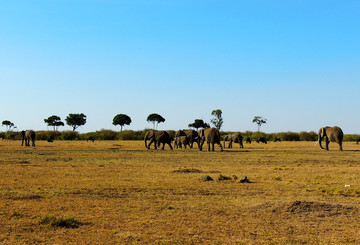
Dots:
(8, 124)
(75, 120)
(155, 119)
(199, 123)
(217, 120)
(259, 121)
(54, 121)
(121, 119)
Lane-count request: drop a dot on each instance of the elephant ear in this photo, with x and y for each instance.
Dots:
(323, 131)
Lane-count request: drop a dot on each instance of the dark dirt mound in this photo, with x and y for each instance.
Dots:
(187, 170)
(327, 209)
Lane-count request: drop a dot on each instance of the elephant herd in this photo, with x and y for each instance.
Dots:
(187, 137)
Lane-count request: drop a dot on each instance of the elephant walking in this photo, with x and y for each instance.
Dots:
(181, 141)
(157, 137)
(248, 140)
(330, 134)
(27, 136)
(211, 136)
(191, 135)
(236, 138)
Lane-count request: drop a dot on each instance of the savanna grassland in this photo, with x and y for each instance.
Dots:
(115, 192)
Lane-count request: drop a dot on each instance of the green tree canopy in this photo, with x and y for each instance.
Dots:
(155, 119)
(54, 121)
(199, 123)
(217, 120)
(121, 119)
(259, 121)
(8, 124)
(75, 120)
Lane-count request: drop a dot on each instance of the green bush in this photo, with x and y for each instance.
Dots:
(351, 137)
(48, 135)
(308, 136)
(69, 135)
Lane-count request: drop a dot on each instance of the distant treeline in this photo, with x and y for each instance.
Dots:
(106, 134)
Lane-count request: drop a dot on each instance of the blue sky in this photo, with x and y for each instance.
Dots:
(296, 63)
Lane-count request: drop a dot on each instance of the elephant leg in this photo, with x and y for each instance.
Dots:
(213, 146)
(221, 148)
(241, 144)
(340, 145)
(171, 146)
(327, 141)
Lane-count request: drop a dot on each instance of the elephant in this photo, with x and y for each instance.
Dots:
(27, 136)
(180, 141)
(211, 136)
(261, 139)
(277, 139)
(236, 138)
(157, 137)
(248, 140)
(330, 134)
(191, 135)
(357, 141)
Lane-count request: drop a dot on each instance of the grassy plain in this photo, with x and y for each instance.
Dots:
(118, 192)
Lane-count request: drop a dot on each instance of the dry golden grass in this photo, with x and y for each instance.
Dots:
(118, 192)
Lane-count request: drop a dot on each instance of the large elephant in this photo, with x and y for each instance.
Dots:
(211, 136)
(236, 138)
(190, 134)
(330, 134)
(27, 136)
(157, 137)
(180, 141)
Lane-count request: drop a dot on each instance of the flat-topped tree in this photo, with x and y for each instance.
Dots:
(199, 123)
(8, 124)
(155, 119)
(121, 119)
(54, 121)
(75, 120)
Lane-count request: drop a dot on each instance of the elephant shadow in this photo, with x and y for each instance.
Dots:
(236, 151)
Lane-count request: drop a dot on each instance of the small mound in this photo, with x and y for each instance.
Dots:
(187, 170)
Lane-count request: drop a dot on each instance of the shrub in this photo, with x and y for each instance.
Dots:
(351, 137)
(69, 135)
(54, 221)
(308, 136)
(48, 135)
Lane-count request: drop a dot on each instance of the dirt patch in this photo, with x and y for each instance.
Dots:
(187, 170)
(319, 208)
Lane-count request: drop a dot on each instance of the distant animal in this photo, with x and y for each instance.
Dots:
(50, 140)
(27, 136)
(90, 138)
(330, 134)
(261, 139)
(236, 138)
(211, 136)
(248, 140)
(180, 141)
(157, 137)
(357, 141)
(277, 139)
(190, 134)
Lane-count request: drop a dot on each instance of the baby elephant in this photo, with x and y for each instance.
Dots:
(179, 141)
(27, 136)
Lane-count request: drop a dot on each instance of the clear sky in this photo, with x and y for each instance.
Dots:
(294, 62)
